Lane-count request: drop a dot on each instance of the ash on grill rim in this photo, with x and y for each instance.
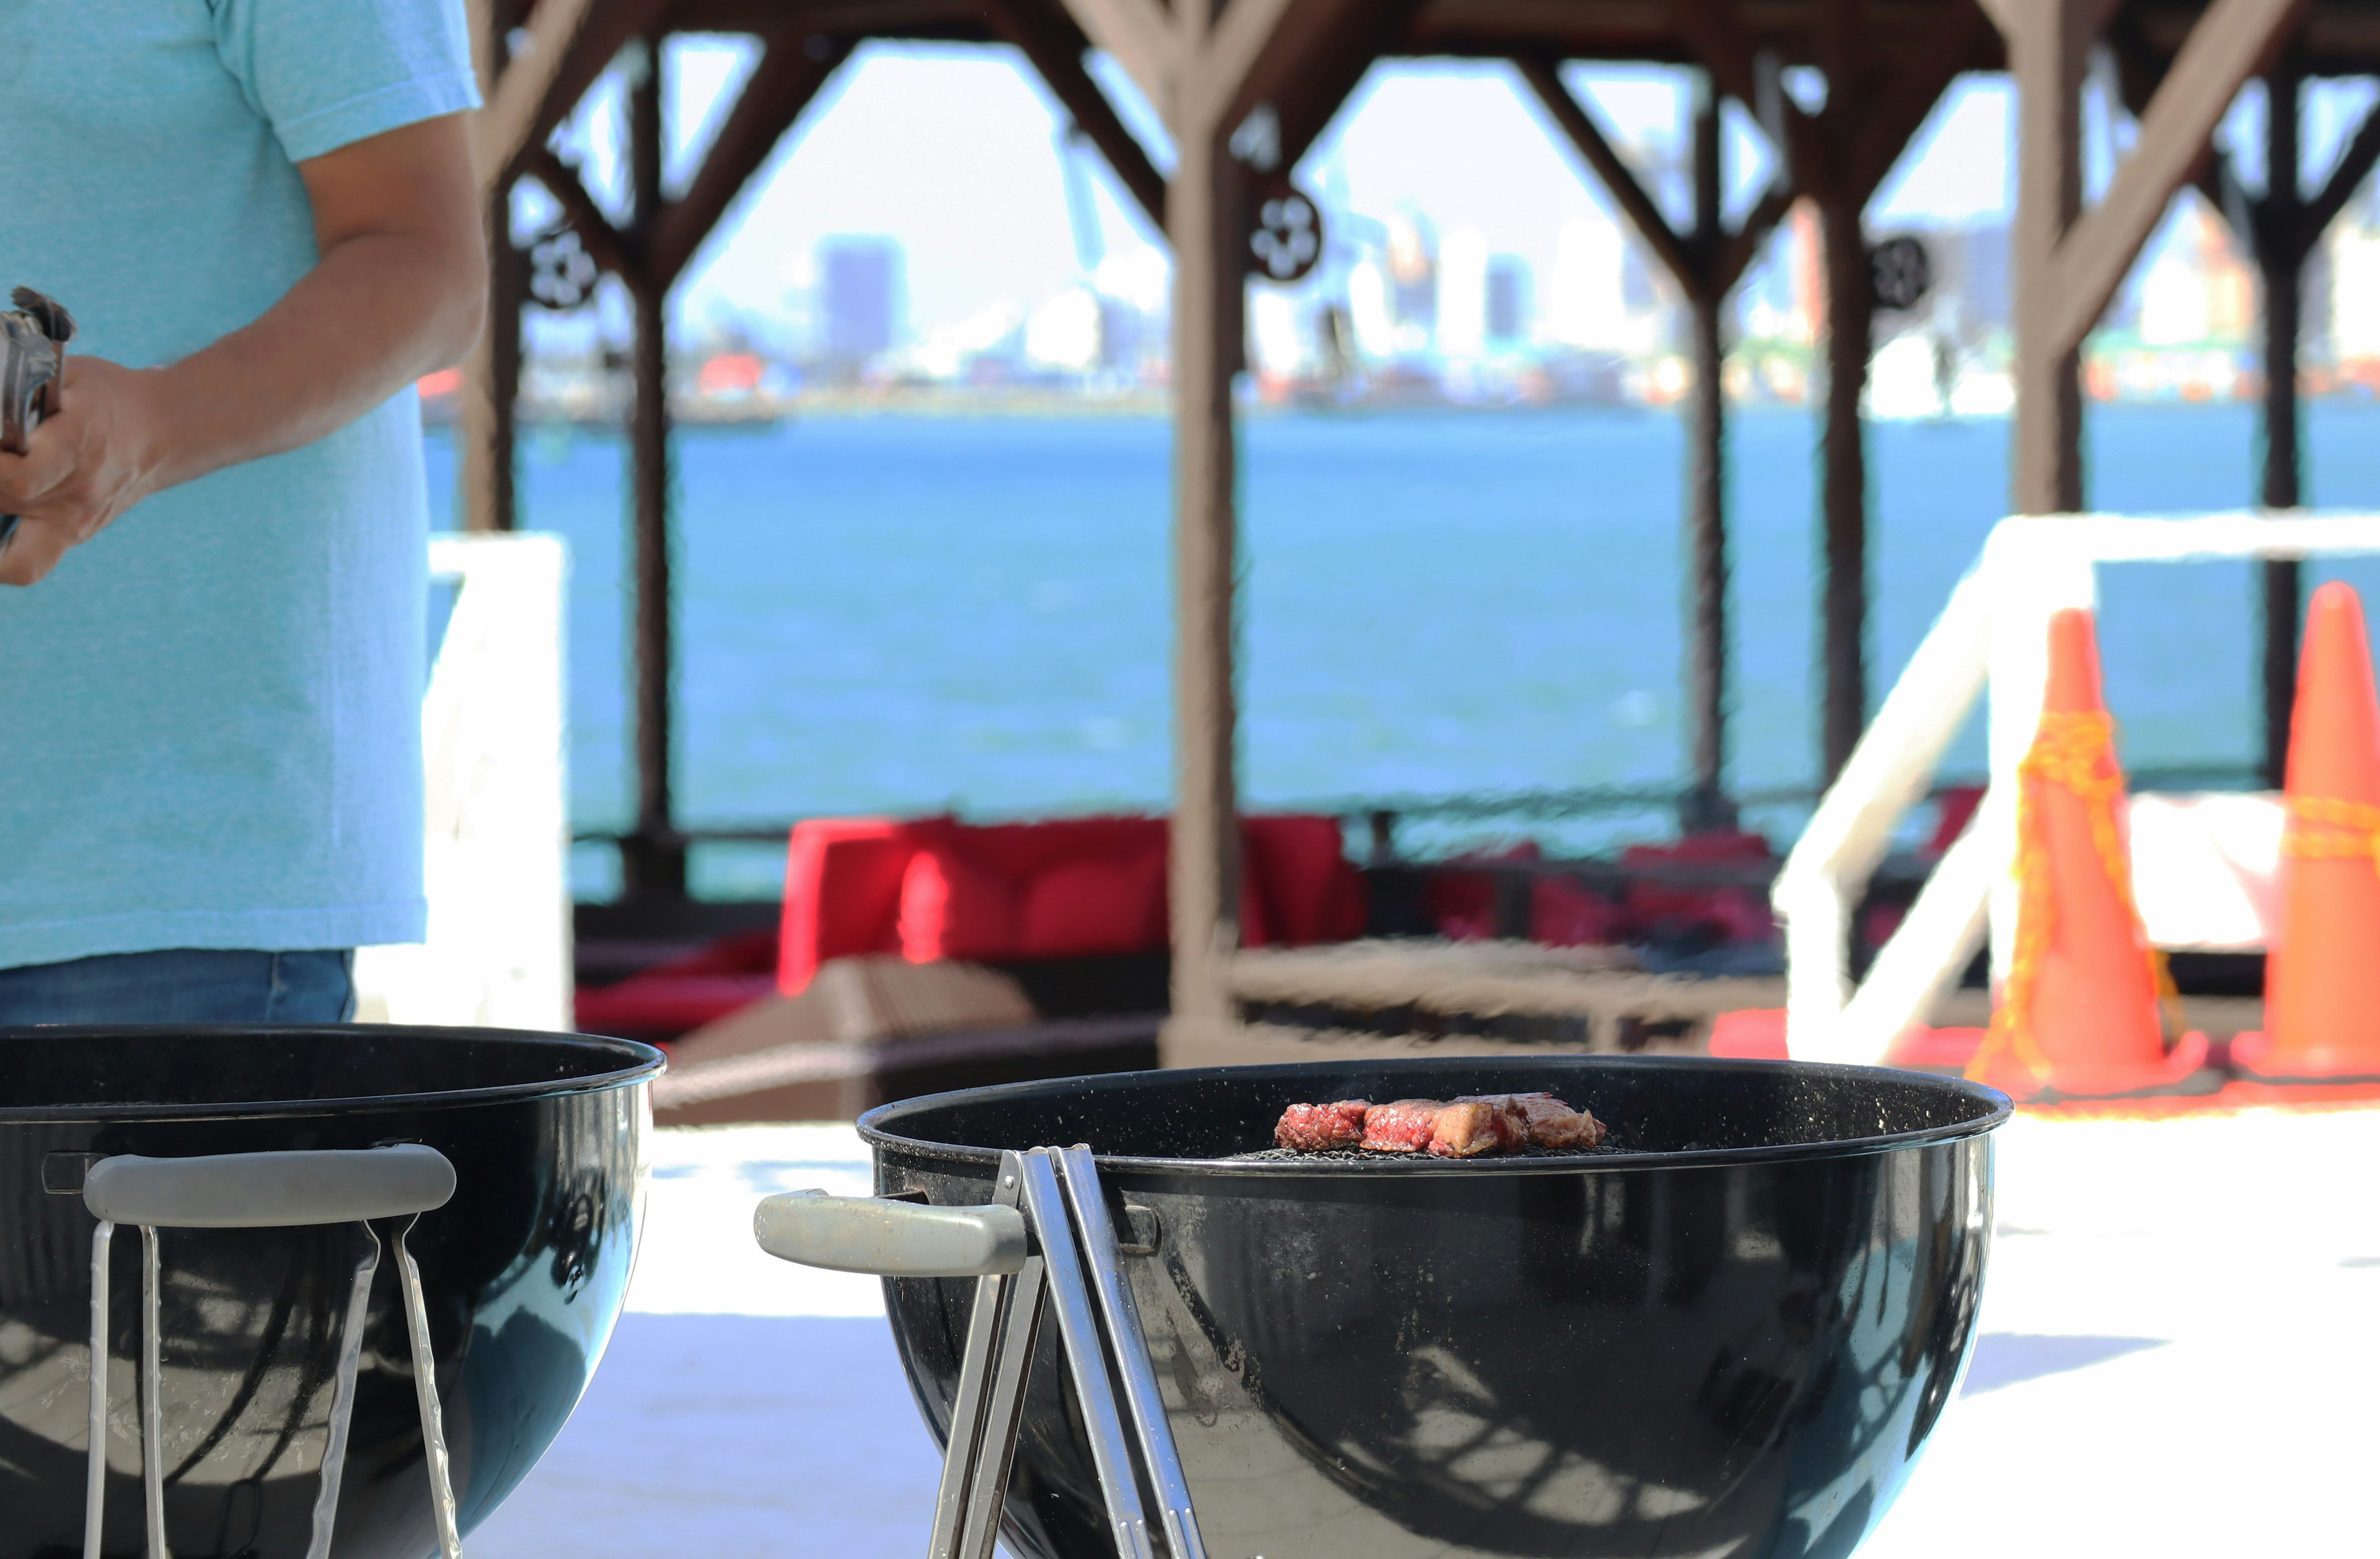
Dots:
(1992, 1109)
(638, 1063)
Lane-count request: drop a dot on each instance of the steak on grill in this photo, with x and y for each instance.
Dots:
(1321, 1128)
(1463, 1128)
(1432, 1126)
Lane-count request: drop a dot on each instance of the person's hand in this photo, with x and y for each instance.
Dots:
(101, 455)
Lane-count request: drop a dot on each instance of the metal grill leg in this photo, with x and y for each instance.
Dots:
(94, 1499)
(992, 1373)
(1020, 1328)
(1104, 1420)
(342, 1400)
(1145, 1405)
(153, 1386)
(425, 1388)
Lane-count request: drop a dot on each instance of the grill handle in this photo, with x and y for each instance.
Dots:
(889, 1239)
(277, 1190)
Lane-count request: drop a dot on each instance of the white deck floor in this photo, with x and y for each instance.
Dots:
(2180, 1356)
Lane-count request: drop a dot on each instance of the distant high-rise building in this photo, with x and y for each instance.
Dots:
(1507, 299)
(1598, 292)
(859, 283)
(1971, 277)
(1463, 293)
(2197, 289)
(2355, 292)
(1412, 279)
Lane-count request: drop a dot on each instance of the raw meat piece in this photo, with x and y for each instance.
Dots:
(1432, 1126)
(1320, 1128)
(1404, 1126)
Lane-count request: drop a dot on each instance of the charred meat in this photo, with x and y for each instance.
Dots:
(1432, 1126)
(1544, 1121)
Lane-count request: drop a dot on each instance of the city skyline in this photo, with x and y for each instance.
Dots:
(953, 156)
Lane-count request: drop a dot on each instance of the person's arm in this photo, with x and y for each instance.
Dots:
(400, 291)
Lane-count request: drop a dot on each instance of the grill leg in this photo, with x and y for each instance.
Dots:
(342, 1399)
(153, 1406)
(425, 1387)
(94, 1499)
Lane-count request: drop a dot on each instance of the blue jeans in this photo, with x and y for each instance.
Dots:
(184, 986)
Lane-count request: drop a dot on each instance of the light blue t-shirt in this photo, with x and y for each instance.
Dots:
(210, 714)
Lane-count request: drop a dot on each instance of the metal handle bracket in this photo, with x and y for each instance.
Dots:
(889, 1239)
(282, 1189)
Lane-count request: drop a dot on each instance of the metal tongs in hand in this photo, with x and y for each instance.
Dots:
(33, 339)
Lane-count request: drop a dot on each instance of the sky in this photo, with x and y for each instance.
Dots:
(955, 154)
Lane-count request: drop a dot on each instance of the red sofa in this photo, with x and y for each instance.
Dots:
(1074, 887)
(937, 889)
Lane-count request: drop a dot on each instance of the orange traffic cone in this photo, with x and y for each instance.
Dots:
(2081, 1012)
(2322, 998)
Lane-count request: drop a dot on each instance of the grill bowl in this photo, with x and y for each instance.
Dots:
(1733, 1338)
(523, 1273)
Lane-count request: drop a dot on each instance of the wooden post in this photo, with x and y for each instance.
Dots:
(2070, 262)
(1203, 220)
(652, 858)
(491, 388)
(2048, 47)
(1706, 264)
(1247, 86)
(2281, 246)
(1706, 678)
(1851, 310)
(486, 424)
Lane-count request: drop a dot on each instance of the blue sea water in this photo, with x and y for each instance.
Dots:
(896, 613)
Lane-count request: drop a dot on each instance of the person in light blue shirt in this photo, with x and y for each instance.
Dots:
(263, 218)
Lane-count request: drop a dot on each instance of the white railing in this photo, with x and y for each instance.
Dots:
(495, 858)
(2203, 864)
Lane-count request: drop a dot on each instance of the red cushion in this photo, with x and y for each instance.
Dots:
(1298, 865)
(1106, 903)
(842, 893)
(1738, 913)
(1020, 849)
(1570, 914)
(954, 904)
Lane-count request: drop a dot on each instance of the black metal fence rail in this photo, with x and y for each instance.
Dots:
(1381, 814)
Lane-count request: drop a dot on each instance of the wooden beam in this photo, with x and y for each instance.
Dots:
(1051, 43)
(1718, 41)
(1577, 124)
(617, 252)
(1235, 44)
(502, 129)
(569, 44)
(1328, 70)
(2231, 42)
(2354, 166)
(785, 82)
(1742, 245)
(1960, 40)
(1143, 38)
